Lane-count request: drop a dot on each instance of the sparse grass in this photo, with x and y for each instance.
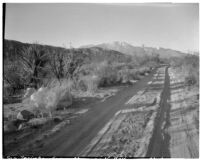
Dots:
(189, 68)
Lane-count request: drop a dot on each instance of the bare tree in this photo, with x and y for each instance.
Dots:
(65, 63)
(58, 63)
(76, 61)
(34, 59)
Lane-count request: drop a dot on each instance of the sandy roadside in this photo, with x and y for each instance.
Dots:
(184, 119)
(128, 133)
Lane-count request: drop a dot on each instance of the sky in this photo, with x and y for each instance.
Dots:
(174, 26)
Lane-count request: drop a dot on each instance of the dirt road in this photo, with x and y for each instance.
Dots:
(156, 117)
(72, 139)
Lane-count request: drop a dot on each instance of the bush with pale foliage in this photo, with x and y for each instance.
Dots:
(89, 83)
(48, 99)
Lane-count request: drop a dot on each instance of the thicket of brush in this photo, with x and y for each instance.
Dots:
(189, 67)
(36, 66)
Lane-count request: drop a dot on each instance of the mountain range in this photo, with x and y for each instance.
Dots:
(115, 51)
(138, 51)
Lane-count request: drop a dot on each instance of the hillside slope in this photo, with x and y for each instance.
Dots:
(12, 49)
(137, 51)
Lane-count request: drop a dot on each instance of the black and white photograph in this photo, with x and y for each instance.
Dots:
(100, 80)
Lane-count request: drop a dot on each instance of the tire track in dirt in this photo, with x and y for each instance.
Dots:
(159, 143)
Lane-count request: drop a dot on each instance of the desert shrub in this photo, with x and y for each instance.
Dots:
(123, 76)
(191, 75)
(94, 75)
(89, 83)
(108, 75)
(126, 75)
(48, 99)
(190, 68)
(131, 74)
(104, 74)
(59, 96)
(88, 69)
(191, 79)
(14, 77)
(176, 62)
(134, 74)
(151, 64)
(142, 70)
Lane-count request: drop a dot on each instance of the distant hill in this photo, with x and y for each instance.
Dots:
(13, 48)
(122, 47)
(129, 49)
(167, 53)
(114, 52)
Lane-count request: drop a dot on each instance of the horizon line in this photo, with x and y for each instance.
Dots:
(70, 43)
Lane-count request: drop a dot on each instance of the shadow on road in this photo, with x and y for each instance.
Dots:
(159, 143)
